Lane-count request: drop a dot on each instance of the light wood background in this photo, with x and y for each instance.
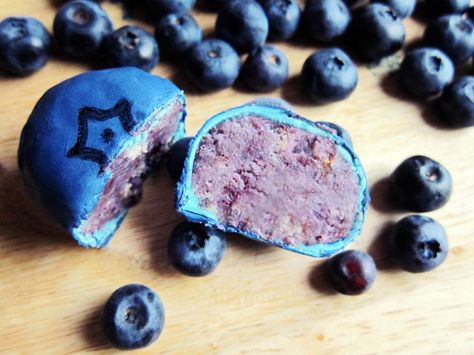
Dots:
(261, 299)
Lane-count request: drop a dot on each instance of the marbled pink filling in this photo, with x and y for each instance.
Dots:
(277, 181)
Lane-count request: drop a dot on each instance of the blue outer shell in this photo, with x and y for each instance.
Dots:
(69, 187)
(187, 202)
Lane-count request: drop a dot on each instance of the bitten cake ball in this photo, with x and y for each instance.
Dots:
(274, 177)
(90, 142)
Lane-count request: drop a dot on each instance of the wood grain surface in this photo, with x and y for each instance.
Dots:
(260, 299)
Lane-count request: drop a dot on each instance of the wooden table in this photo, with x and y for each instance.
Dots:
(261, 299)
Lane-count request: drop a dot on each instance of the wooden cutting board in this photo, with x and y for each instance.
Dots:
(260, 299)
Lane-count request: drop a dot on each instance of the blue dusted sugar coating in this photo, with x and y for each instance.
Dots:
(67, 177)
(187, 203)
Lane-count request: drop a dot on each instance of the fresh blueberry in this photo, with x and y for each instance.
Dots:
(425, 72)
(215, 5)
(421, 184)
(164, 7)
(24, 45)
(212, 65)
(80, 27)
(376, 31)
(454, 35)
(283, 18)
(326, 20)
(456, 105)
(177, 34)
(351, 272)
(337, 130)
(133, 317)
(404, 8)
(265, 69)
(176, 157)
(196, 250)
(443, 7)
(243, 24)
(131, 46)
(418, 244)
(329, 75)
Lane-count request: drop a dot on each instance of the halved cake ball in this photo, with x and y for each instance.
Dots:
(90, 142)
(275, 177)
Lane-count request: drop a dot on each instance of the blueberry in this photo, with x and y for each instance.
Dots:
(351, 272)
(442, 7)
(421, 184)
(164, 7)
(176, 157)
(24, 45)
(418, 244)
(456, 105)
(454, 35)
(337, 130)
(376, 31)
(177, 34)
(133, 317)
(131, 46)
(265, 69)
(212, 65)
(196, 250)
(329, 75)
(283, 18)
(425, 72)
(404, 8)
(80, 27)
(243, 24)
(326, 20)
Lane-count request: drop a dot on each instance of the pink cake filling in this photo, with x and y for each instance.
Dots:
(280, 182)
(130, 168)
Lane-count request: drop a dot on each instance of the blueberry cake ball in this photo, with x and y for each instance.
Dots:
(275, 177)
(90, 142)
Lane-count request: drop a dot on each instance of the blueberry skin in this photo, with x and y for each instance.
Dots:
(131, 46)
(351, 272)
(418, 244)
(177, 34)
(425, 72)
(176, 157)
(80, 27)
(283, 18)
(326, 20)
(337, 130)
(212, 65)
(243, 24)
(196, 250)
(454, 35)
(25, 45)
(133, 317)
(265, 69)
(421, 184)
(404, 8)
(376, 31)
(165, 7)
(442, 7)
(329, 75)
(456, 105)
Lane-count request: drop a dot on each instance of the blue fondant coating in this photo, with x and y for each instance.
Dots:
(62, 162)
(188, 205)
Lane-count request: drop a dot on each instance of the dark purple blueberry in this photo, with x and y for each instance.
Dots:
(404, 8)
(337, 130)
(176, 157)
(164, 7)
(425, 72)
(265, 69)
(177, 34)
(243, 24)
(80, 27)
(454, 35)
(131, 46)
(196, 250)
(133, 317)
(376, 31)
(351, 272)
(421, 184)
(25, 45)
(456, 105)
(212, 65)
(418, 244)
(443, 7)
(283, 18)
(326, 20)
(329, 75)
